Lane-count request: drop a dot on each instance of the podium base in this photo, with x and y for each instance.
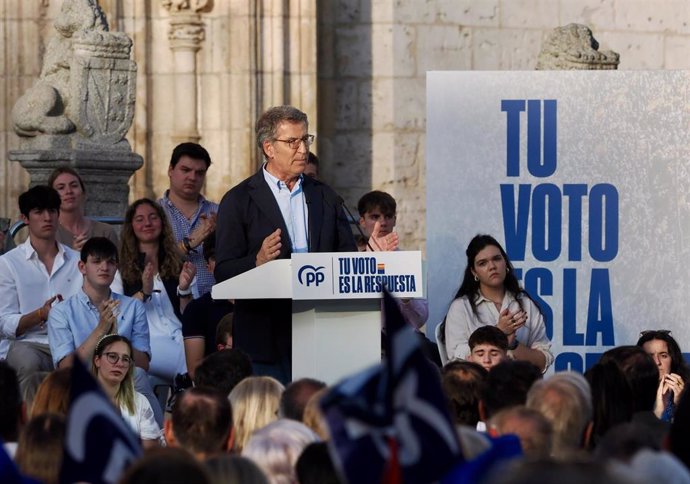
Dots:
(334, 339)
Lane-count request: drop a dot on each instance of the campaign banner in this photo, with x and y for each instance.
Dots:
(583, 177)
(356, 275)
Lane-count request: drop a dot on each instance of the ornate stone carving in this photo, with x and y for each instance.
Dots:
(573, 47)
(186, 31)
(86, 90)
(187, 5)
(81, 108)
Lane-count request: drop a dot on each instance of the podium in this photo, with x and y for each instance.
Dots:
(336, 307)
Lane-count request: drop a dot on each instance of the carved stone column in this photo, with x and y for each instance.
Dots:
(186, 34)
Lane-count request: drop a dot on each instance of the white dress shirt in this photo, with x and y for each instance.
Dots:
(25, 286)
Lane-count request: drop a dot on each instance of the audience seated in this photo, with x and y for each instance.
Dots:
(31, 389)
(29, 277)
(463, 385)
(75, 228)
(11, 415)
(234, 469)
(201, 423)
(113, 367)
(153, 272)
(642, 374)
(41, 443)
(532, 428)
(507, 385)
(224, 332)
(296, 395)
(223, 370)
(612, 399)
(313, 416)
(53, 394)
(255, 402)
(488, 346)
(565, 399)
(202, 316)
(559, 472)
(315, 466)
(165, 466)
(276, 448)
(673, 370)
(680, 429)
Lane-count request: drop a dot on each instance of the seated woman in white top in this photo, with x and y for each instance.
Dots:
(490, 295)
(113, 367)
(153, 271)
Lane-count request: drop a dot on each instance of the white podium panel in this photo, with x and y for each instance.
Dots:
(333, 339)
(336, 305)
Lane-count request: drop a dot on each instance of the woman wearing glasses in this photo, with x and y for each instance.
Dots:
(490, 295)
(673, 371)
(113, 367)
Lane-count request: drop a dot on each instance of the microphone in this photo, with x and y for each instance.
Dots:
(341, 202)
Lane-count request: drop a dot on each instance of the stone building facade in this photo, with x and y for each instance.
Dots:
(207, 68)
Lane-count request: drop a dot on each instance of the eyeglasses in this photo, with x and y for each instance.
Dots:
(655, 331)
(113, 358)
(295, 143)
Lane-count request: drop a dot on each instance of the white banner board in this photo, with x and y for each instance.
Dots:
(584, 177)
(356, 275)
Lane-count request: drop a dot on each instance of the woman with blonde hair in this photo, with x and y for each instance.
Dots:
(255, 401)
(113, 367)
(153, 271)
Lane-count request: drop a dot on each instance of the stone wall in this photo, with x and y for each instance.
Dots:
(365, 60)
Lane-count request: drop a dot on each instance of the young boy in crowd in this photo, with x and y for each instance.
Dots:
(488, 346)
(81, 321)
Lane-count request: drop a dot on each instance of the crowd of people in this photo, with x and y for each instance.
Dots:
(206, 384)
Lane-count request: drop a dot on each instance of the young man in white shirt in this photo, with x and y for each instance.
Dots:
(33, 277)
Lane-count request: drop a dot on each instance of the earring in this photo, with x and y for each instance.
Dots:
(476, 279)
(507, 270)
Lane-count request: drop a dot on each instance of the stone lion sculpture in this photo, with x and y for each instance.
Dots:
(573, 47)
(43, 108)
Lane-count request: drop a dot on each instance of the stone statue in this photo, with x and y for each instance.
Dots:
(573, 47)
(79, 110)
(86, 90)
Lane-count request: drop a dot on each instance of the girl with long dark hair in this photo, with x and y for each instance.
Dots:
(490, 295)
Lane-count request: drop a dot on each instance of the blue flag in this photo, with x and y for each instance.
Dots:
(99, 444)
(392, 419)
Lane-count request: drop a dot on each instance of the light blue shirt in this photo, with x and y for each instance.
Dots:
(183, 227)
(72, 321)
(293, 207)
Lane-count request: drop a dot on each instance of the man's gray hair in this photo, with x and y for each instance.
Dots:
(565, 399)
(268, 122)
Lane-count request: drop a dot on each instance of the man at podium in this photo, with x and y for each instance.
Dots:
(270, 215)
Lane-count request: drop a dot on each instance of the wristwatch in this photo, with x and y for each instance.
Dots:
(513, 346)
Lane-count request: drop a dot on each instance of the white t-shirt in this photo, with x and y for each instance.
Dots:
(142, 420)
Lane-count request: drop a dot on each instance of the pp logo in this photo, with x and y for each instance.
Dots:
(309, 275)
